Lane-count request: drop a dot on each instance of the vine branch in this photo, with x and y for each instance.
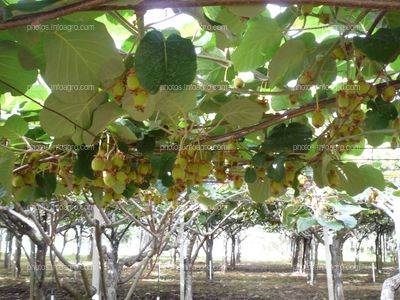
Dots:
(101, 5)
(287, 115)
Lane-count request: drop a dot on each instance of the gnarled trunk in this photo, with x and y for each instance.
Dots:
(112, 272)
(313, 262)
(209, 258)
(233, 253)
(17, 256)
(224, 266)
(389, 287)
(8, 253)
(336, 250)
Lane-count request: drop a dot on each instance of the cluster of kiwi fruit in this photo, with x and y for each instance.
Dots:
(115, 171)
(130, 84)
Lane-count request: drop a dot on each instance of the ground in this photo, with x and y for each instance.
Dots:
(250, 281)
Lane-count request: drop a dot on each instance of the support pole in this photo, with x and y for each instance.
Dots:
(96, 257)
(396, 219)
(328, 264)
(182, 259)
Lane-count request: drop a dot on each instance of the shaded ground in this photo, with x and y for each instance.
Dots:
(255, 281)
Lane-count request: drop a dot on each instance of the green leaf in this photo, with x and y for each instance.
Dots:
(382, 46)
(348, 221)
(79, 111)
(124, 133)
(294, 137)
(82, 166)
(26, 194)
(246, 10)
(259, 44)
(14, 128)
(130, 190)
(354, 180)
(380, 113)
(147, 145)
(128, 104)
(334, 225)
(80, 60)
(47, 183)
(259, 159)
(102, 116)
(393, 18)
(259, 190)
(206, 203)
(12, 72)
(7, 159)
(241, 112)
(290, 60)
(171, 103)
(276, 169)
(170, 62)
(250, 175)
(304, 223)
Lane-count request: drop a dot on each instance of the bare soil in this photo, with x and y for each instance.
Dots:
(249, 281)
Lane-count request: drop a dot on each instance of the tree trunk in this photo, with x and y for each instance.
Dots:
(378, 253)
(32, 271)
(357, 258)
(1, 241)
(209, 258)
(78, 240)
(112, 272)
(238, 248)
(336, 250)
(17, 256)
(295, 252)
(224, 266)
(389, 287)
(313, 262)
(40, 268)
(189, 263)
(8, 253)
(233, 253)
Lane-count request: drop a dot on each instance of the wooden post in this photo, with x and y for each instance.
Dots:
(182, 259)
(396, 219)
(328, 264)
(95, 257)
(373, 272)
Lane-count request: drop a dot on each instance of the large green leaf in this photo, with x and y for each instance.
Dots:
(128, 104)
(7, 159)
(304, 223)
(290, 60)
(102, 116)
(47, 183)
(354, 180)
(12, 71)
(14, 128)
(294, 137)
(246, 10)
(170, 62)
(79, 112)
(241, 112)
(172, 103)
(276, 169)
(380, 113)
(78, 61)
(382, 46)
(259, 44)
(259, 190)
